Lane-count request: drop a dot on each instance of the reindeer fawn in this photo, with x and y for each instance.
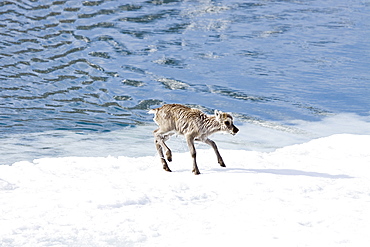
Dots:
(194, 125)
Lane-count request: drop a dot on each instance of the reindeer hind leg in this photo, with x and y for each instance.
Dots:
(158, 140)
(168, 150)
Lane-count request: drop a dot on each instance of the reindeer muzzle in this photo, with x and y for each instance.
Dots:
(234, 130)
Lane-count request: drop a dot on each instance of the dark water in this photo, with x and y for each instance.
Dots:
(98, 66)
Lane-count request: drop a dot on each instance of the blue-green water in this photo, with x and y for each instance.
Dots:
(85, 68)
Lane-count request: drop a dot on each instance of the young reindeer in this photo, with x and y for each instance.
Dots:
(193, 124)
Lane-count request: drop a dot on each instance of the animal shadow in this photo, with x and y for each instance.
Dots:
(285, 172)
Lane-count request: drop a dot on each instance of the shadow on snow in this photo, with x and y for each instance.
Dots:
(287, 172)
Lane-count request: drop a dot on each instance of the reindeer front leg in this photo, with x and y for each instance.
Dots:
(214, 146)
(190, 142)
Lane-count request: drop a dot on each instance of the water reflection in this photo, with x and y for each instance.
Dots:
(100, 65)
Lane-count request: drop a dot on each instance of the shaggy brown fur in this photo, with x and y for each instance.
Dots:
(193, 124)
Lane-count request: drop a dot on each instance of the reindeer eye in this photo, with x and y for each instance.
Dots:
(227, 123)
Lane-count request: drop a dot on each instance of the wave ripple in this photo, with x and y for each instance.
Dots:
(100, 65)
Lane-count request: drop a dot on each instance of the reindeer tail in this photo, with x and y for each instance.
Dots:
(153, 111)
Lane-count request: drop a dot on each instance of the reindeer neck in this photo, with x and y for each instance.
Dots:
(212, 125)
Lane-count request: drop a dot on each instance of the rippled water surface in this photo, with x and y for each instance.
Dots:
(98, 66)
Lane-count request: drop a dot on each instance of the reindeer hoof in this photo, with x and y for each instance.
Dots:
(166, 168)
(222, 164)
(169, 156)
(196, 172)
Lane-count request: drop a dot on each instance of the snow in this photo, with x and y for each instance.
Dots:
(311, 194)
(256, 135)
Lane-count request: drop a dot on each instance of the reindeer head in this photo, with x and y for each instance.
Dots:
(226, 122)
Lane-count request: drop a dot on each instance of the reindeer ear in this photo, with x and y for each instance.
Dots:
(218, 114)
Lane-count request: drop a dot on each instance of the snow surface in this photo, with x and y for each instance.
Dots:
(262, 136)
(311, 194)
